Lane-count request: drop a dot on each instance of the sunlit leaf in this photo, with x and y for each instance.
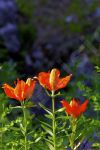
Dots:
(50, 146)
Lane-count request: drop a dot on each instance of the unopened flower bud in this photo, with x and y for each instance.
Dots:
(53, 78)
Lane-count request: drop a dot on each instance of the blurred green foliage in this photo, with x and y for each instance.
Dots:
(26, 28)
(8, 73)
(27, 33)
(26, 7)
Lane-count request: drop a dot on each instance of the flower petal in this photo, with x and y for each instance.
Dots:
(74, 108)
(63, 82)
(83, 106)
(29, 87)
(67, 107)
(9, 91)
(43, 78)
(76, 112)
(74, 103)
(19, 90)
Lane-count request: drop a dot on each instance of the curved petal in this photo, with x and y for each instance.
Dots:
(77, 109)
(19, 90)
(83, 106)
(43, 78)
(29, 87)
(63, 82)
(57, 73)
(74, 103)
(9, 91)
(67, 107)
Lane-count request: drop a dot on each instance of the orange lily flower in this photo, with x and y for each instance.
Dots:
(52, 81)
(74, 108)
(22, 90)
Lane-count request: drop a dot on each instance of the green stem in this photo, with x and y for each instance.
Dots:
(24, 125)
(53, 121)
(2, 125)
(72, 137)
(12, 147)
(2, 137)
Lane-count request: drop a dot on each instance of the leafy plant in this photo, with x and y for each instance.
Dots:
(55, 130)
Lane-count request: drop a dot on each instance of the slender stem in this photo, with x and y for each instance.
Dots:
(72, 137)
(2, 125)
(12, 147)
(24, 125)
(53, 121)
(2, 137)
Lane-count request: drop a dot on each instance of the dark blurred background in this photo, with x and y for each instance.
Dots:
(37, 35)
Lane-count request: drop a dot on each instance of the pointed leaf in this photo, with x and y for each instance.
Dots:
(50, 146)
(60, 110)
(48, 116)
(48, 130)
(46, 124)
(46, 109)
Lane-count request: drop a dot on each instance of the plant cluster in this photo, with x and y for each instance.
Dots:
(59, 128)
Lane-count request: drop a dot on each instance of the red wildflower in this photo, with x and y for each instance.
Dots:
(52, 81)
(21, 91)
(74, 108)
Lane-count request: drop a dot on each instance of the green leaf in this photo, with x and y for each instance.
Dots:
(22, 128)
(38, 139)
(65, 118)
(50, 146)
(48, 130)
(46, 109)
(59, 142)
(46, 124)
(60, 110)
(48, 116)
(97, 69)
(96, 145)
